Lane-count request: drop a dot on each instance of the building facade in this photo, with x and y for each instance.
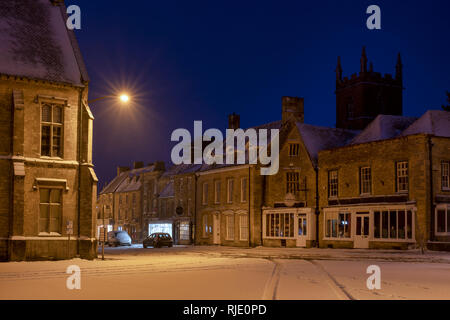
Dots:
(386, 190)
(48, 189)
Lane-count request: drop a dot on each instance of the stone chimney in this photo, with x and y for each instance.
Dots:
(138, 164)
(234, 121)
(292, 109)
(122, 169)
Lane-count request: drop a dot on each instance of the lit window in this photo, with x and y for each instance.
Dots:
(279, 225)
(50, 210)
(402, 176)
(332, 184)
(51, 130)
(337, 225)
(206, 227)
(365, 180)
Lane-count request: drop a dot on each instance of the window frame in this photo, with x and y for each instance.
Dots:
(348, 227)
(49, 204)
(230, 227)
(293, 182)
(398, 177)
(244, 190)
(217, 191)
(230, 190)
(365, 182)
(294, 149)
(205, 193)
(446, 208)
(52, 125)
(335, 184)
(242, 227)
(445, 179)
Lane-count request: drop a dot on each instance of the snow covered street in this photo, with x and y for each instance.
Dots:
(232, 273)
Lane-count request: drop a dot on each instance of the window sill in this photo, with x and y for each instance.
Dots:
(51, 234)
(50, 158)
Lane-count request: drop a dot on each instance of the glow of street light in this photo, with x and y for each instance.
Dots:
(124, 98)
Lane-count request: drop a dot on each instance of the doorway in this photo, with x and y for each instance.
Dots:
(216, 229)
(302, 230)
(362, 230)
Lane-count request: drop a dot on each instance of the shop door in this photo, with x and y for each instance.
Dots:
(362, 230)
(302, 230)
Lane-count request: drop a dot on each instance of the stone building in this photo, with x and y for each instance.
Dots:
(363, 96)
(290, 201)
(121, 204)
(48, 189)
(388, 187)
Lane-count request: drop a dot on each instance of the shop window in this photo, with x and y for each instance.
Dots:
(184, 230)
(280, 225)
(393, 224)
(443, 220)
(337, 225)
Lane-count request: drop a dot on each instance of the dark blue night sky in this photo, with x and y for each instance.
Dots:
(201, 60)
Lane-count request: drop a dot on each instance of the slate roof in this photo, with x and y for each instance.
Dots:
(168, 190)
(121, 184)
(434, 122)
(318, 138)
(383, 127)
(35, 42)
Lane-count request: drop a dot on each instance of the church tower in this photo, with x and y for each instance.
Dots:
(363, 96)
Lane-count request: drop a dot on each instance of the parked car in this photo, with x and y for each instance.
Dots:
(158, 240)
(119, 238)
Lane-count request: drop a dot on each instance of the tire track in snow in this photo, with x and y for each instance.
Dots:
(338, 288)
(271, 287)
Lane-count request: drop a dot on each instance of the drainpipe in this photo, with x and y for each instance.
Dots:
(430, 159)
(195, 209)
(263, 202)
(317, 211)
(80, 151)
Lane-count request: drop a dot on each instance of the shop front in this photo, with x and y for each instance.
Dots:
(288, 227)
(363, 227)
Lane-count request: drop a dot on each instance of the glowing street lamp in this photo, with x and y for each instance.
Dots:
(124, 98)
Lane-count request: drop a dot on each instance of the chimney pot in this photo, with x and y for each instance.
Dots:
(234, 121)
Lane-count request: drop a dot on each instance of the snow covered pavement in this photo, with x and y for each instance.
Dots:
(229, 273)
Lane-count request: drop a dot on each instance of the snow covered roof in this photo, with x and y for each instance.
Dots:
(168, 190)
(318, 138)
(181, 169)
(35, 42)
(435, 122)
(121, 184)
(383, 127)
